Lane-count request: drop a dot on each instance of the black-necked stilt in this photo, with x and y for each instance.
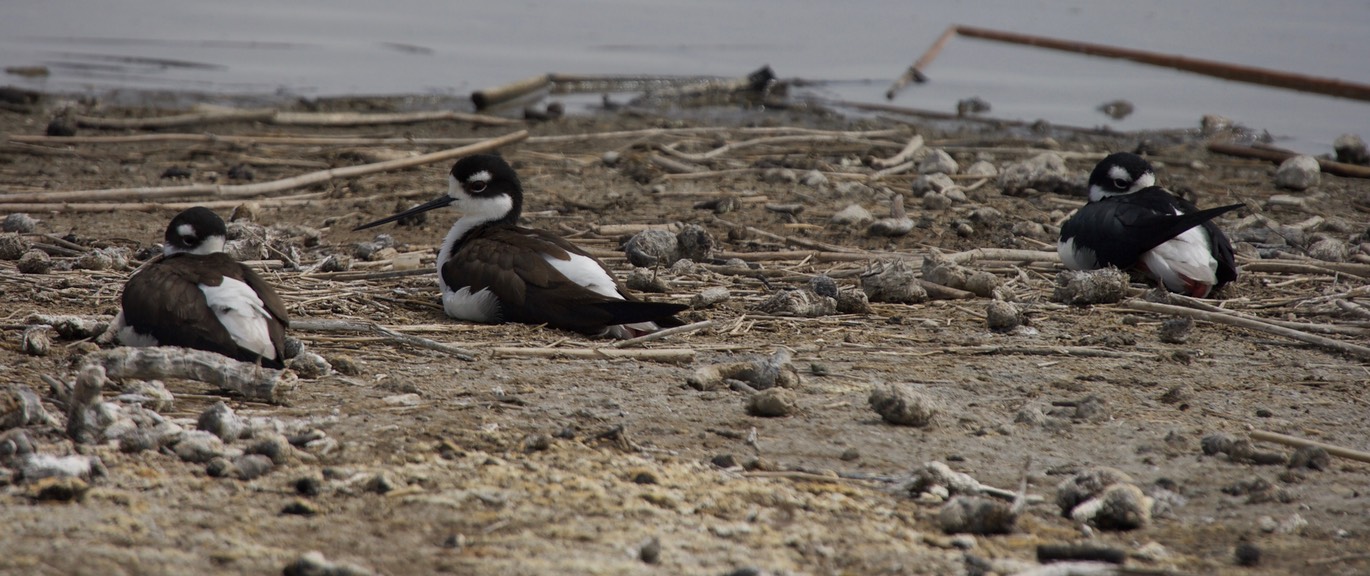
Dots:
(490, 269)
(196, 296)
(1130, 222)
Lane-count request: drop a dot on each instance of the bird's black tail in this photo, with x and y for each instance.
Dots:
(1166, 228)
(633, 312)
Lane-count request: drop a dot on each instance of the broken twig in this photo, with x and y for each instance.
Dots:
(388, 334)
(1251, 323)
(667, 355)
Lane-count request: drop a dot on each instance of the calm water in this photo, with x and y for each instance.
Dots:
(337, 47)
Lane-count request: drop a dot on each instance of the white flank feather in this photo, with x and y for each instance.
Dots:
(463, 305)
(1185, 256)
(241, 312)
(1076, 258)
(126, 335)
(586, 272)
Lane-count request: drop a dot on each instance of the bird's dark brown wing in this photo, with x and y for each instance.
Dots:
(531, 290)
(164, 300)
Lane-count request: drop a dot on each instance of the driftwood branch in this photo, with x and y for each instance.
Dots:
(388, 334)
(1264, 436)
(212, 115)
(1237, 72)
(262, 188)
(512, 91)
(666, 355)
(1251, 323)
(250, 380)
(1200, 304)
(1328, 166)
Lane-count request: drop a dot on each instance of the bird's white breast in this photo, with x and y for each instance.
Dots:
(241, 312)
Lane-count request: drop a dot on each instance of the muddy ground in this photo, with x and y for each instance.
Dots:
(512, 464)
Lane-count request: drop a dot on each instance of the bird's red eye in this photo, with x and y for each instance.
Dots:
(477, 186)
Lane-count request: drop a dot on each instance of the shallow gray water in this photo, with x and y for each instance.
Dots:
(336, 47)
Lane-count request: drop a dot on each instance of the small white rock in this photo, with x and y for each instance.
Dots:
(937, 161)
(982, 169)
(1298, 173)
(852, 215)
(935, 182)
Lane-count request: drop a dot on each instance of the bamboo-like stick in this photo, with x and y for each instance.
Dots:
(273, 116)
(915, 72)
(1276, 437)
(241, 139)
(491, 96)
(263, 188)
(1004, 254)
(666, 355)
(1350, 269)
(373, 118)
(302, 140)
(1251, 323)
(69, 207)
(1328, 166)
(1236, 72)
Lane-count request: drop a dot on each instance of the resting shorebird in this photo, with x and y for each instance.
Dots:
(490, 269)
(196, 296)
(1131, 223)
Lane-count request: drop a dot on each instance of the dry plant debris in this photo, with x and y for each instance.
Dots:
(504, 448)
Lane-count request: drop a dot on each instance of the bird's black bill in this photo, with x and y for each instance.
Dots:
(438, 202)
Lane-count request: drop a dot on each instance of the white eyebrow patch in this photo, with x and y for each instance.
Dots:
(482, 176)
(185, 230)
(1119, 173)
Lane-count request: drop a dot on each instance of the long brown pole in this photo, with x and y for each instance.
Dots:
(1328, 166)
(1240, 73)
(1250, 74)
